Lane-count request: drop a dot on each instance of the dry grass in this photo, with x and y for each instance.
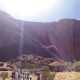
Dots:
(67, 76)
(9, 75)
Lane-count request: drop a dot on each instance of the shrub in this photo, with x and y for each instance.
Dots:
(76, 65)
(4, 75)
(47, 74)
(26, 64)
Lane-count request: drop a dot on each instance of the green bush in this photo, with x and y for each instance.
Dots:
(27, 65)
(76, 65)
(47, 74)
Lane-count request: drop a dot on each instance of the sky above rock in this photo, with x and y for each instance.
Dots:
(41, 10)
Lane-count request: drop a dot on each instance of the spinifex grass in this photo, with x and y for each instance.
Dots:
(67, 76)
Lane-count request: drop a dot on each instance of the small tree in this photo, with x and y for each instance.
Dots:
(4, 75)
(76, 65)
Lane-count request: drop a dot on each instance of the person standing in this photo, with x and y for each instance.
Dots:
(16, 75)
(27, 76)
(13, 75)
(21, 76)
(30, 77)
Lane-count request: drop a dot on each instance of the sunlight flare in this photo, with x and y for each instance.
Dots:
(27, 8)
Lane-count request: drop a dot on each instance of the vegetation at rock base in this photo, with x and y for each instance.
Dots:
(76, 65)
(25, 64)
(47, 75)
(4, 75)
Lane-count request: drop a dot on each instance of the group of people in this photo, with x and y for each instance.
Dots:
(19, 75)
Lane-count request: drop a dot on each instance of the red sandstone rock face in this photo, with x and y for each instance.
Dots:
(62, 35)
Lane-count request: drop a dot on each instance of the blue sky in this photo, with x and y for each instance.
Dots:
(62, 9)
(66, 9)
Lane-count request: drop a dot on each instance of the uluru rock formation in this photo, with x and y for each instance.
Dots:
(22, 37)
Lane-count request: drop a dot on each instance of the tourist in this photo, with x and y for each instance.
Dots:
(16, 75)
(13, 75)
(20, 75)
(24, 76)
